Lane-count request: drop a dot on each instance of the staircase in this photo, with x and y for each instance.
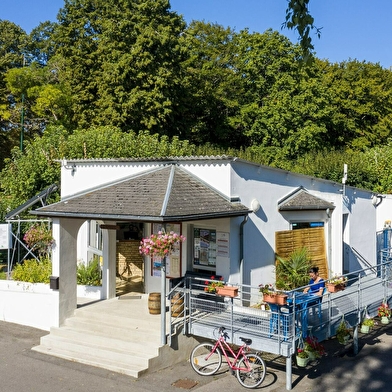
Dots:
(118, 334)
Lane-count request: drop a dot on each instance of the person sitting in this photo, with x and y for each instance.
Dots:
(316, 283)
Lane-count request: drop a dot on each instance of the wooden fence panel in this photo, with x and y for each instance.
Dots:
(313, 239)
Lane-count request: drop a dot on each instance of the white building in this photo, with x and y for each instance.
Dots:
(232, 212)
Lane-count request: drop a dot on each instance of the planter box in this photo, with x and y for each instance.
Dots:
(227, 291)
(91, 292)
(334, 288)
(281, 299)
(270, 298)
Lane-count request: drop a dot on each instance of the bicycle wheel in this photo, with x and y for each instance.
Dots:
(255, 376)
(203, 361)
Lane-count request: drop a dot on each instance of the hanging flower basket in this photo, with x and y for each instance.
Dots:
(161, 244)
(227, 291)
(302, 358)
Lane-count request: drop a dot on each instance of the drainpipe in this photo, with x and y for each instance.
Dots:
(242, 249)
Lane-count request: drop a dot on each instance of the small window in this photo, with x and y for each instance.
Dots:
(306, 225)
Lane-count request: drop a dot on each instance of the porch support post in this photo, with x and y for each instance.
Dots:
(289, 368)
(163, 302)
(64, 262)
(109, 263)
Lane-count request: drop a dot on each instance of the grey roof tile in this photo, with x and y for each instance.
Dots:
(301, 199)
(168, 193)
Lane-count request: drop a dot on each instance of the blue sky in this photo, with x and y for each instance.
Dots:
(351, 29)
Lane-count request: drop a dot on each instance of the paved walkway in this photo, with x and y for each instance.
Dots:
(22, 369)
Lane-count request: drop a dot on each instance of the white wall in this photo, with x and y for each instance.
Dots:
(31, 304)
(268, 186)
(87, 175)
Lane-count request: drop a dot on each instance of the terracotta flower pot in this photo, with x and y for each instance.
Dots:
(281, 299)
(227, 291)
(334, 288)
(270, 298)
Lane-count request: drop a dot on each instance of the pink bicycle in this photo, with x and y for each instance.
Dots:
(206, 359)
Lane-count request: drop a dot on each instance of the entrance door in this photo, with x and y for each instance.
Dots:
(129, 262)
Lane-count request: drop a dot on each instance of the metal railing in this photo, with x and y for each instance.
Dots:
(279, 332)
(200, 313)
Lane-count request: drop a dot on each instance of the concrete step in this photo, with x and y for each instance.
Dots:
(104, 340)
(106, 359)
(120, 336)
(125, 332)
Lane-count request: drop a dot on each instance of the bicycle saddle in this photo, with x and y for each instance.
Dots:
(246, 341)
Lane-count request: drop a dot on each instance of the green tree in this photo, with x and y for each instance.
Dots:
(361, 95)
(299, 18)
(213, 86)
(12, 43)
(122, 62)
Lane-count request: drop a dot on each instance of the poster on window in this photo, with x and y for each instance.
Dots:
(223, 244)
(204, 247)
(173, 261)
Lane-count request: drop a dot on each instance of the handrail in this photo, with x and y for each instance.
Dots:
(363, 259)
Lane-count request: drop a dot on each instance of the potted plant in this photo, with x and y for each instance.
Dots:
(292, 271)
(367, 325)
(302, 357)
(336, 284)
(313, 348)
(343, 333)
(227, 291)
(268, 292)
(384, 312)
(213, 284)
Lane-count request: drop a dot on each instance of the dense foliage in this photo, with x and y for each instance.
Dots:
(33, 271)
(128, 78)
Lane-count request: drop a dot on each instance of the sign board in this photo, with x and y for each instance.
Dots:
(5, 239)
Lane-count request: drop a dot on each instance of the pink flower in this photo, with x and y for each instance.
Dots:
(160, 244)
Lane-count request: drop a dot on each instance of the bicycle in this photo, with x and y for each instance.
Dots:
(206, 360)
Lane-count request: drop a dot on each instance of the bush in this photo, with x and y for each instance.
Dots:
(33, 271)
(89, 274)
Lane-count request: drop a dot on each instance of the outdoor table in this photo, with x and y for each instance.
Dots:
(301, 302)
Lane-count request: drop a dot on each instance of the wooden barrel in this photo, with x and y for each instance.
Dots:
(154, 303)
(177, 306)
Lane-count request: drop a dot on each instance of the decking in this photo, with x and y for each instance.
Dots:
(241, 316)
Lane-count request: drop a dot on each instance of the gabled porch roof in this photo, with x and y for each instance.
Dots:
(301, 199)
(167, 193)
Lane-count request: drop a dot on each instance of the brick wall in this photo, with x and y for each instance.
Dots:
(129, 260)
